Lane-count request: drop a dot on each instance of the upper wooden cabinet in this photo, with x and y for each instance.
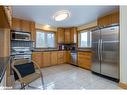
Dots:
(16, 24)
(5, 17)
(22, 25)
(60, 34)
(33, 33)
(67, 35)
(25, 26)
(109, 19)
(73, 36)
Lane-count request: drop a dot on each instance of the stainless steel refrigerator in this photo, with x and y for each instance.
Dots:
(105, 48)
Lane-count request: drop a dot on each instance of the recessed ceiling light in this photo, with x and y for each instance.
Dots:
(61, 15)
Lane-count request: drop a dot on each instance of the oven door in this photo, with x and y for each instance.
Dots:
(25, 36)
(22, 57)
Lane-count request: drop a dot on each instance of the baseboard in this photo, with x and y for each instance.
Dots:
(123, 85)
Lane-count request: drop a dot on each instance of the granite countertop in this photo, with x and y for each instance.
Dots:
(46, 50)
(3, 65)
(85, 50)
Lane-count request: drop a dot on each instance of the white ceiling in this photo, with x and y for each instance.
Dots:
(79, 14)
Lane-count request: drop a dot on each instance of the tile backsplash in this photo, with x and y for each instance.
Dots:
(22, 44)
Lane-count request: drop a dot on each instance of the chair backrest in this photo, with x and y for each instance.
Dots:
(22, 68)
(20, 61)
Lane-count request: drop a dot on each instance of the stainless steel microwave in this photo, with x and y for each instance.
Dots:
(24, 36)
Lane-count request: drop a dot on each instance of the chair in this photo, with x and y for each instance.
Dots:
(26, 71)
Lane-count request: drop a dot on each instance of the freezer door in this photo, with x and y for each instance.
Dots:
(110, 52)
(95, 51)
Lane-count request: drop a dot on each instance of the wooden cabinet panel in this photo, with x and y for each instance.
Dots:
(68, 57)
(16, 24)
(5, 17)
(61, 57)
(33, 31)
(84, 59)
(37, 57)
(46, 59)
(54, 58)
(25, 26)
(60, 35)
(73, 35)
(110, 19)
(67, 35)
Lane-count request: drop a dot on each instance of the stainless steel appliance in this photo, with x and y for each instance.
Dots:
(23, 36)
(105, 48)
(21, 52)
(74, 58)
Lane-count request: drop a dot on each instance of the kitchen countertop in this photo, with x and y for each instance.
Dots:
(3, 65)
(47, 50)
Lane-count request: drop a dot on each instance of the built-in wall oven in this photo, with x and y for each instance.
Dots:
(18, 35)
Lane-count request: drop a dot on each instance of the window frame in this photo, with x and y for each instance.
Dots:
(48, 31)
(79, 39)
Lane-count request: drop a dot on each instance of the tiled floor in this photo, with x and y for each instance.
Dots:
(67, 77)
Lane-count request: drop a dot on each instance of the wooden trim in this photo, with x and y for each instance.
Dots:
(123, 85)
(87, 29)
(45, 30)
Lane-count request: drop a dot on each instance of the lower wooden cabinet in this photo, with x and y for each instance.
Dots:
(46, 60)
(68, 57)
(84, 59)
(60, 57)
(37, 57)
(54, 58)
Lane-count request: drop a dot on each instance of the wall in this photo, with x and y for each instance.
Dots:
(4, 42)
(88, 25)
(123, 44)
(46, 27)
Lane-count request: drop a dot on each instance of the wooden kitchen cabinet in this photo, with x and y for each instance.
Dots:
(68, 57)
(109, 19)
(16, 24)
(33, 31)
(5, 17)
(46, 59)
(37, 57)
(25, 26)
(60, 35)
(60, 57)
(73, 35)
(84, 59)
(67, 35)
(54, 58)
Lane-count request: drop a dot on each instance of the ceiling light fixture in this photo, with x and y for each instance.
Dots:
(61, 15)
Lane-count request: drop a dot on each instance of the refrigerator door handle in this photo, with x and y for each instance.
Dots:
(98, 49)
(101, 48)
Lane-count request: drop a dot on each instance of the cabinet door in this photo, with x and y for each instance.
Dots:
(46, 59)
(60, 57)
(67, 35)
(32, 30)
(60, 34)
(73, 35)
(84, 59)
(109, 19)
(37, 57)
(16, 24)
(54, 58)
(25, 26)
(68, 57)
